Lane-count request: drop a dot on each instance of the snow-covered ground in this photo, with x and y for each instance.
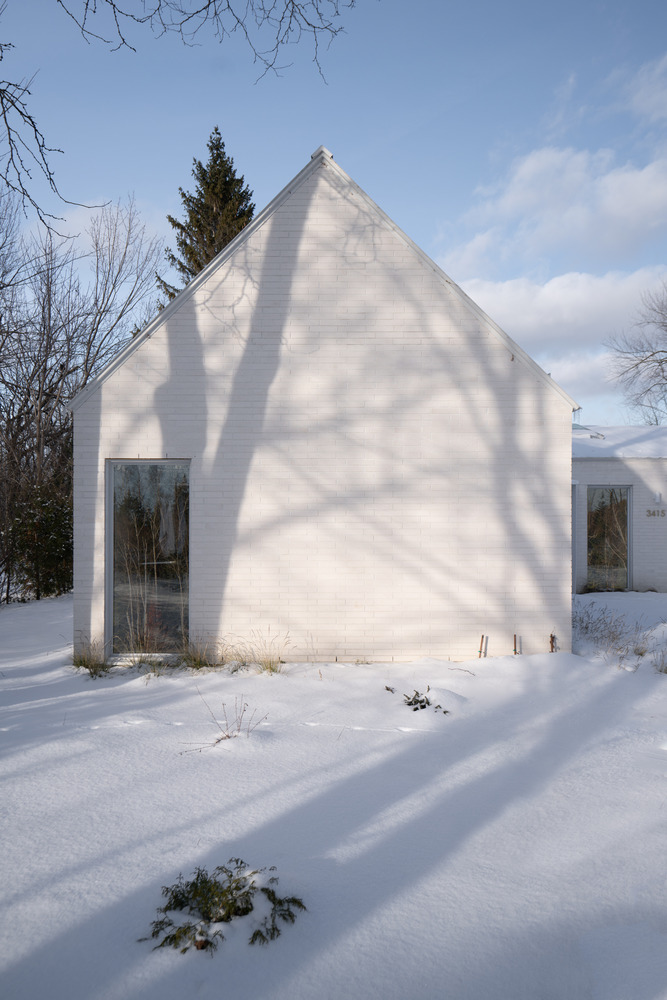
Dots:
(513, 849)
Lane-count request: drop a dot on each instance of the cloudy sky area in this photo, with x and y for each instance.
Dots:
(522, 146)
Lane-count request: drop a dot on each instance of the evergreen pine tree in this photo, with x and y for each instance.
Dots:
(219, 209)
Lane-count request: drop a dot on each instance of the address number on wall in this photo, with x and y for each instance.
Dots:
(656, 513)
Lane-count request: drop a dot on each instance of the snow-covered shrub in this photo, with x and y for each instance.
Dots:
(196, 655)
(210, 901)
(597, 626)
(660, 661)
(418, 701)
(152, 664)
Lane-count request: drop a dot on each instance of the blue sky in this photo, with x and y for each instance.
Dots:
(523, 146)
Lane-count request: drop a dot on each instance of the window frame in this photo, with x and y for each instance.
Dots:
(609, 487)
(109, 466)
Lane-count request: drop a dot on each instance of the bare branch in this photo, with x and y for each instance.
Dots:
(23, 146)
(640, 359)
(266, 25)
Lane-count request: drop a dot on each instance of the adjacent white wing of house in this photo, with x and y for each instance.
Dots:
(620, 508)
(323, 436)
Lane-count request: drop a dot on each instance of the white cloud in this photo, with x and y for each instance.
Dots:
(586, 378)
(567, 109)
(541, 180)
(569, 311)
(564, 322)
(647, 91)
(584, 229)
(563, 203)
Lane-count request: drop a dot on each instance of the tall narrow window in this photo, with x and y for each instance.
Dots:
(608, 537)
(150, 556)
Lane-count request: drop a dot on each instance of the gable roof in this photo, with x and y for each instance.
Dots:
(322, 158)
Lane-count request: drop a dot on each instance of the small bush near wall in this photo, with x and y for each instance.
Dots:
(263, 650)
(90, 656)
(204, 653)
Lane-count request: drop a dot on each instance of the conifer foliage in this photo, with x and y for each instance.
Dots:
(219, 208)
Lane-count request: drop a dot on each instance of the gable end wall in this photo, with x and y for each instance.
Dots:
(373, 471)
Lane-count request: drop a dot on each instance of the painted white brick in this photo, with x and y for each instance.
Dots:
(647, 534)
(376, 473)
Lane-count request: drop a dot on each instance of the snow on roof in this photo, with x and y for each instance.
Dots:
(619, 442)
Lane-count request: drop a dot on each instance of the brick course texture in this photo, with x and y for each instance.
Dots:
(647, 517)
(375, 468)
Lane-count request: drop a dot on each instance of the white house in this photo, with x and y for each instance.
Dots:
(324, 436)
(619, 508)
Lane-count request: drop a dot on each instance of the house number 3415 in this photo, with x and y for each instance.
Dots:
(656, 513)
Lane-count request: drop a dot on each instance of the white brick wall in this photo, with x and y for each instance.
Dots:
(648, 533)
(373, 469)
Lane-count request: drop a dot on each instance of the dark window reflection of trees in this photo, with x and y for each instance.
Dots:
(151, 555)
(607, 538)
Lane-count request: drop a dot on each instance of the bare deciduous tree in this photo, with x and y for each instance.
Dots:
(60, 325)
(267, 26)
(640, 359)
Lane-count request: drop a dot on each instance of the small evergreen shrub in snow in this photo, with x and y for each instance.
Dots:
(208, 902)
